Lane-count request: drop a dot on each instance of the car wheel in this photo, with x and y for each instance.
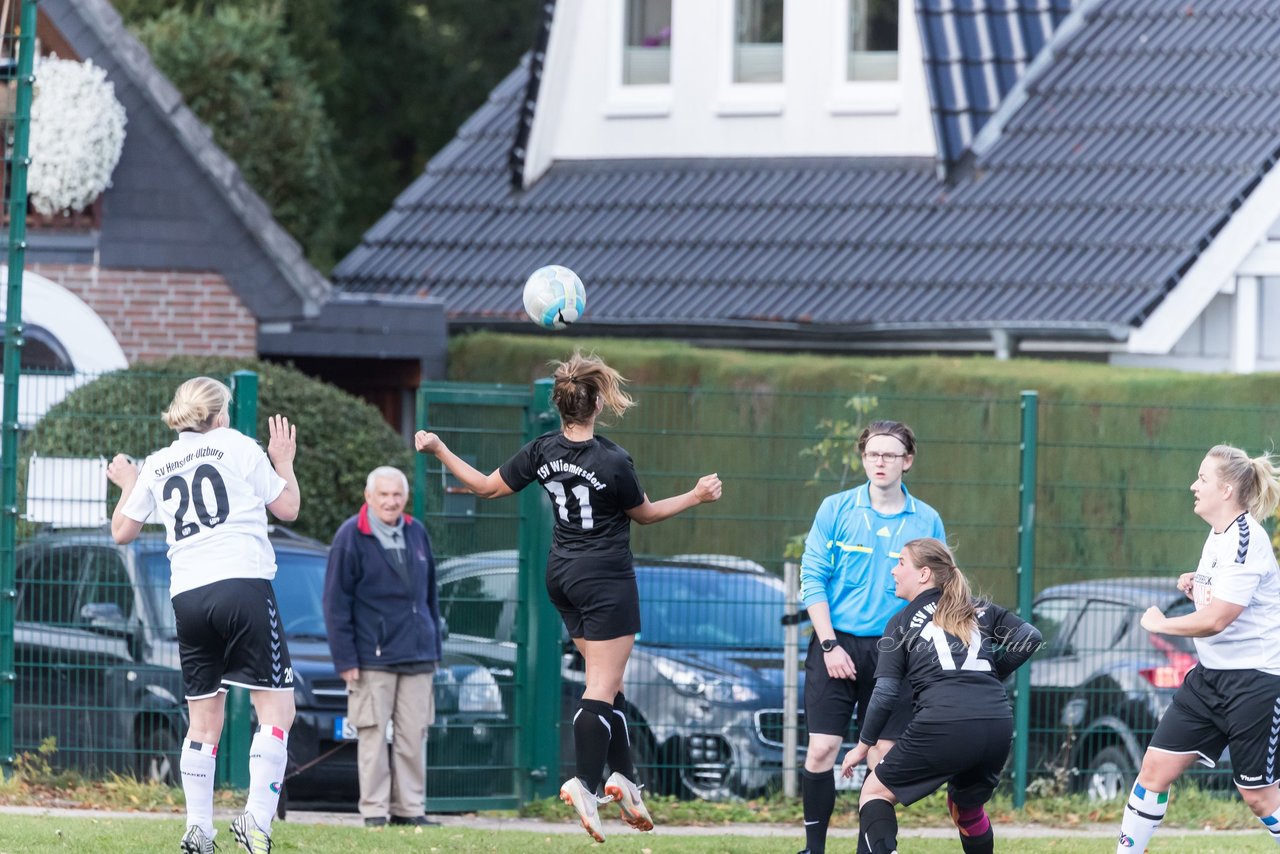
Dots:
(158, 756)
(1109, 774)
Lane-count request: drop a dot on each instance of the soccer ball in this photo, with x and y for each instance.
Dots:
(554, 297)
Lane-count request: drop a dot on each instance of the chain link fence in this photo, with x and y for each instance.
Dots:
(707, 691)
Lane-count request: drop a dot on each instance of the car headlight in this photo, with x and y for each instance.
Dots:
(478, 692)
(699, 683)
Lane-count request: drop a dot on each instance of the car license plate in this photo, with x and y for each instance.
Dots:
(343, 730)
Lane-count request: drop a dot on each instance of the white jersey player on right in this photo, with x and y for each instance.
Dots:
(1231, 698)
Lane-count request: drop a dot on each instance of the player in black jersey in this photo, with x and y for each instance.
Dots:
(954, 652)
(590, 576)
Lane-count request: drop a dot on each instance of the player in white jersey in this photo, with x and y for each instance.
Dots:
(1231, 698)
(210, 490)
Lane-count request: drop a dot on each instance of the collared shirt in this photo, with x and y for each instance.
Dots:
(850, 554)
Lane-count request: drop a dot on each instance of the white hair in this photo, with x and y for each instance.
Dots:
(388, 472)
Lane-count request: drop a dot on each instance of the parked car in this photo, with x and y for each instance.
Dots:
(704, 683)
(1101, 683)
(98, 670)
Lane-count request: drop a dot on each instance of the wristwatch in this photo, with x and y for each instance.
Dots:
(828, 645)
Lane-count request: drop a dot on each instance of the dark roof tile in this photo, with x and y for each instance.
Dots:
(1134, 141)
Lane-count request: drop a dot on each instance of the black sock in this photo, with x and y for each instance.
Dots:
(818, 791)
(591, 727)
(878, 827)
(983, 844)
(620, 758)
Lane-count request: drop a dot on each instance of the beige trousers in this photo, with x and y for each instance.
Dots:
(394, 785)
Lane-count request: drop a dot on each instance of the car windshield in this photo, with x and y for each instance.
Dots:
(698, 607)
(299, 586)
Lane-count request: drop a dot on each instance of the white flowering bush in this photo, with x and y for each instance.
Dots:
(77, 134)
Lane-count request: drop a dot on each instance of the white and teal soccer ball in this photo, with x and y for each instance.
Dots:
(554, 297)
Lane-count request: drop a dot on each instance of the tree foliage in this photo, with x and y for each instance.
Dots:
(340, 437)
(238, 72)
(391, 79)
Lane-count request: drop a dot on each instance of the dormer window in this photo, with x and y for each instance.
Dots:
(757, 46)
(647, 60)
(873, 40)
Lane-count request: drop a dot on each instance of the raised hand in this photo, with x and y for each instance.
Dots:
(122, 470)
(427, 443)
(708, 488)
(283, 444)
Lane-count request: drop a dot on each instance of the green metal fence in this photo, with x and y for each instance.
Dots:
(17, 61)
(1070, 504)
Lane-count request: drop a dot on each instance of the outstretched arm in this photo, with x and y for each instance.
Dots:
(490, 486)
(123, 473)
(281, 449)
(648, 512)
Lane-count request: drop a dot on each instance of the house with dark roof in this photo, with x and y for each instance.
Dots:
(1093, 180)
(181, 256)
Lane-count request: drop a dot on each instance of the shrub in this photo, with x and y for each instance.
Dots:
(239, 72)
(340, 437)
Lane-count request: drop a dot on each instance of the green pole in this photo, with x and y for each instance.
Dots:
(420, 463)
(12, 368)
(233, 755)
(1026, 588)
(538, 662)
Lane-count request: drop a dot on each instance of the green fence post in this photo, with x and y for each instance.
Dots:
(538, 664)
(233, 757)
(19, 162)
(1026, 588)
(420, 462)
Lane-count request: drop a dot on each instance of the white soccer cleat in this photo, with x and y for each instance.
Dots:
(250, 837)
(196, 842)
(584, 804)
(627, 794)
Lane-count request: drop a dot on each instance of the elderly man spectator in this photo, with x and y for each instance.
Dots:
(383, 615)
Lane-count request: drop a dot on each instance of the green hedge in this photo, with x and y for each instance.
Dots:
(340, 437)
(1118, 447)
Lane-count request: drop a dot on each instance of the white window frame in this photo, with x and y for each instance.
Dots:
(635, 100)
(748, 99)
(863, 97)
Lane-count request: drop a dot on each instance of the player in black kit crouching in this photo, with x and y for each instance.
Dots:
(590, 575)
(954, 653)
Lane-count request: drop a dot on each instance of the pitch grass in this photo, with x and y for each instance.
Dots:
(87, 835)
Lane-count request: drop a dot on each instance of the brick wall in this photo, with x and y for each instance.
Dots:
(157, 314)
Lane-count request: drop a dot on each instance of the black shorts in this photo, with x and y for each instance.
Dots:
(829, 704)
(596, 602)
(230, 633)
(967, 755)
(1219, 708)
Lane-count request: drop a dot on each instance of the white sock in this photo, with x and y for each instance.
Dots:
(1142, 815)
(1272, 824)
(268, 755)
(198, 764)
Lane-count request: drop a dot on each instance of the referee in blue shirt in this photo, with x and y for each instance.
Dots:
(846, 584)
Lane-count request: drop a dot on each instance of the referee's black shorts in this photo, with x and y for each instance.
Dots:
(1214, 709)
(597, 600)
(230, 633)
(830, 704)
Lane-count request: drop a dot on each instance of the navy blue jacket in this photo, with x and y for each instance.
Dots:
(373, 619)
